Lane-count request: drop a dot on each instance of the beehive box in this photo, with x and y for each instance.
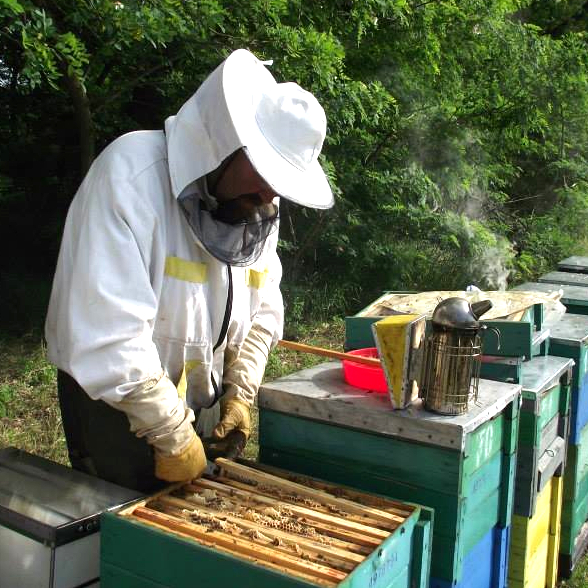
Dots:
(568, 278)
(463, 467)
(518, 338)
(535, 541)
(574, 298)
(544, 427)
(502, 369)
(574, 529)
(249, 528)
(575, 263)
(569, 338)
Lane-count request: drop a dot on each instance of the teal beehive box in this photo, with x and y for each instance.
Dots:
(524, 337)
(461, 466)
(249, 527)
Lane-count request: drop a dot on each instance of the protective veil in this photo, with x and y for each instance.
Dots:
(239, 243)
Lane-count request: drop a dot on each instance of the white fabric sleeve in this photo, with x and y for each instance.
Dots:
(243, 375)
(108, 311)
(156, 412)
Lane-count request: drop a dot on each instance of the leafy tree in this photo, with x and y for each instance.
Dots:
(456, 127)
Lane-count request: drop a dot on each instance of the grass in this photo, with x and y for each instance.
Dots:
(29, 412)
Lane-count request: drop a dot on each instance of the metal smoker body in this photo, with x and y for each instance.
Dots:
(453, 353)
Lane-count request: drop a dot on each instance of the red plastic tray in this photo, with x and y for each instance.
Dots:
(362, 376)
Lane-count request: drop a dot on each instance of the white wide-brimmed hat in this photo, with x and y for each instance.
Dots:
(282, 128)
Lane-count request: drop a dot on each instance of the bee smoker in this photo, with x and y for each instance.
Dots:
(453, 354)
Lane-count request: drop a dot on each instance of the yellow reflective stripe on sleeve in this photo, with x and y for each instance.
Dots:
(256, 279)
(188, 271)
(183, 383)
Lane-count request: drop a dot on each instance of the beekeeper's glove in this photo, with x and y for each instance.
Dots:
(235, 415)
(242, 377)
(189, 463)
(156, 412)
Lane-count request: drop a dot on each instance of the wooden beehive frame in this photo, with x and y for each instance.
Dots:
(312, 530)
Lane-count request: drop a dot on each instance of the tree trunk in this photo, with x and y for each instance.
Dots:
(81, 105)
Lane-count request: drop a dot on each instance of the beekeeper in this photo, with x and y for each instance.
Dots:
(166, 300)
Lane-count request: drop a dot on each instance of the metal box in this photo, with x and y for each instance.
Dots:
(49, 522)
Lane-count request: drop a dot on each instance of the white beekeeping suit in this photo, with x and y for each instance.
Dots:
(153, 296)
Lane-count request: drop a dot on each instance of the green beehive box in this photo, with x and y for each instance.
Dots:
(157, 550)
(525, 338)
(463, 466)
(574, 298)
(569, 338)
(575, 263)
(574, 528)
(567, 278)
(502, 369)
(544, 428)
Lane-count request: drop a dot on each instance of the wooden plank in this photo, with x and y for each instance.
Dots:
(352, 532)
(393, 519)
(112, 576)
(531, 571)
(427, 466)
(315, 506)
(483, 443)
(554, 532)
(240, 546)
(338, 490)
(261, 538)
(315, 514)
(129, 509)
(371, 361)
(330, 551)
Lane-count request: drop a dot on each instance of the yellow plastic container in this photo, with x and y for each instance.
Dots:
(535, 541)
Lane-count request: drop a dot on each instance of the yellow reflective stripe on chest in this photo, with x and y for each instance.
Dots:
(183, 383)
(187, 271)
(256, 279)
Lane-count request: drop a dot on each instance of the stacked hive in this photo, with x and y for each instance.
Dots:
(462, 466)
(569, 339)
(541, 456)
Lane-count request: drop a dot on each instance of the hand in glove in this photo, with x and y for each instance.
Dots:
(157, 413)
(230, 435)
(235, 415)
(241, 380)
(189, 463)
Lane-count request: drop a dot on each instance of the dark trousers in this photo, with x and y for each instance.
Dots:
(100, 443)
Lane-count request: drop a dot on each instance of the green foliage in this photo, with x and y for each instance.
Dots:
(29, 411)
(548, 238)
(6, 394)
(456, 138)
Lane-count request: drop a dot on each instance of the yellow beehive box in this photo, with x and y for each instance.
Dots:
(535, 541)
